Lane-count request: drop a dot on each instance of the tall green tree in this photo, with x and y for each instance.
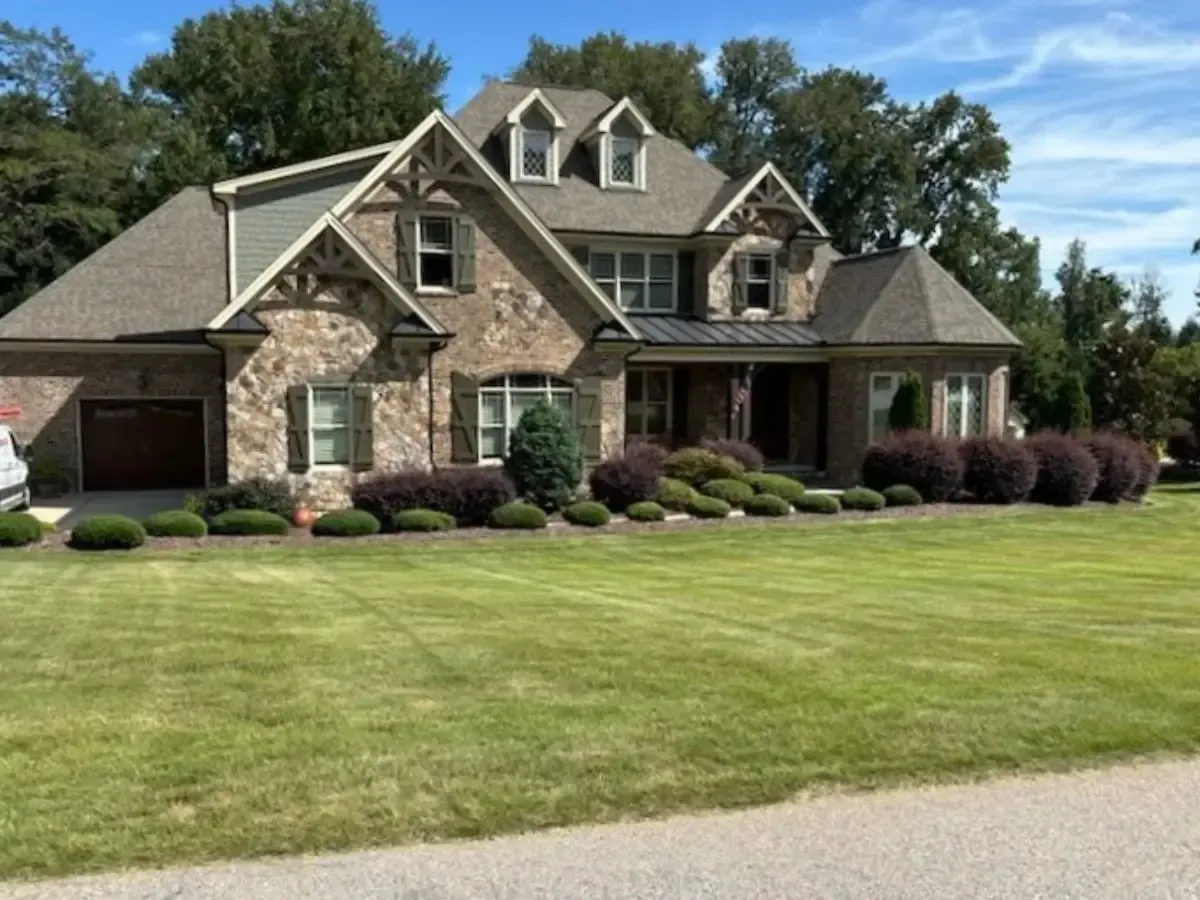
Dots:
(265, 86)
(1128, 391)
(1088, 299)
(1148, 297)
(750, 73)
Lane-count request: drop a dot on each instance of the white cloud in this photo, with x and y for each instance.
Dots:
(144, 39)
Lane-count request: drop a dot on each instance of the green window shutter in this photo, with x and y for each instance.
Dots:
(362, 423)
(741, 274)
(297, 427)
(464, 251)
(464, 419)
(687, 283)
(679, 404)
(780, 300)
(581, 255)
(589, 400)
(406, 246)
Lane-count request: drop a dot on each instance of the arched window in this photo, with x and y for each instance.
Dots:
(503, 400)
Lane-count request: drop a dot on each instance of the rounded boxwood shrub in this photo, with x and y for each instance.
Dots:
(176, 523)
(675, 495)
(862, 499)
(789, 489)
(346, 523)
(248, 522)
(544, 457)
(107, 533)
(931, 464)
(747, 455)
(704, 507)
(767, 505)
(695, 465)
(18, 529)
(901, 495)
(732, 490)
(647, 511)
(269, 494)
(519, 514)
(998, 471)
(1119, 466)
(588, 513)
(625, 480)
(1067, 471)
(822, 504)
(422, 520)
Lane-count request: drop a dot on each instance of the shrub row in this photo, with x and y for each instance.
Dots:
(789, 489)
(468, 495)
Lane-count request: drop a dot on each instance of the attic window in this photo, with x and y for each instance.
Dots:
(623, 170)
(535, 154)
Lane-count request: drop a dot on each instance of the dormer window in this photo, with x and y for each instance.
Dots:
(624, 164)
(531, 131)
(617, 144)
(535, 154)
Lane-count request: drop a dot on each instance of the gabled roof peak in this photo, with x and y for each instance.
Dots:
(535, 98)
(623, 107)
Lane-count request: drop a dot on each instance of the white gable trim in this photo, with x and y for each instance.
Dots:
(530, 224)
(392, 289)
(626, 106)
(751, 184)
(232, 185)
(535, 96)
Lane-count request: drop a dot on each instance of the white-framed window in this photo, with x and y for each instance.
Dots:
(640, 282)
(760, 280)
(503, 400)
(329, 427)
(882, 389)
(648, 394)
(535, 154)
(435, 251)
(623, 162)
(966, 402)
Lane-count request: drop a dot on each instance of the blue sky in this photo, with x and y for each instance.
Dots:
(1099, 98)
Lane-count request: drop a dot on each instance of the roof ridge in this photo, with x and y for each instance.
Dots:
(954, 281)
(550, 85)
(872, 254)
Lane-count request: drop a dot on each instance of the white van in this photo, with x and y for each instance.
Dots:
(14, 471)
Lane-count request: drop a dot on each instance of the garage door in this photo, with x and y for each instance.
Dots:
(133, 445)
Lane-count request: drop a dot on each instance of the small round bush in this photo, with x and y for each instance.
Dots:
(997, 470)
(695, 465)
(269, 494)
(176, 523)
(901, 495)
(767, 505)
(1119, 466)
(248, 522)
(649, 511)
(789, 489)
(862, 499)
(704, 507)
(587, 513)
(652, 454)
(18, 529)
(422, 520)
(519, 514)
(1067, 471)
(675, 495)
(749, 456)
(107, 533)
(821, 504)
(731, 490)
(628, 479)
(929, 463)
(346, 523)
(1148, 472)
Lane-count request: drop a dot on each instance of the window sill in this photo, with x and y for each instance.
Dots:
(329, 469)
(491, 462)
(436, 292)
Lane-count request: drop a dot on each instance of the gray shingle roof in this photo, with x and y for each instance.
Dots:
(680, 187)
(163, 277)
(680, 331)
(902, 296)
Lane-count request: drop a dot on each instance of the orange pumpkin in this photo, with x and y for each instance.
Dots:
(303, 517)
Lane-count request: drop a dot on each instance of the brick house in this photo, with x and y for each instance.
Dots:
(400, 305)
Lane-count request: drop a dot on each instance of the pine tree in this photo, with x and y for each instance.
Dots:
(908, 405)
(544, 457)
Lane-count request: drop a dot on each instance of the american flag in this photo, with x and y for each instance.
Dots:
(743, 391)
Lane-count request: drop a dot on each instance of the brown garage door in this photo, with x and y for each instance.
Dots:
(131, 445)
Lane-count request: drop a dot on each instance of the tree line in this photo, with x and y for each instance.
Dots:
(248, 88)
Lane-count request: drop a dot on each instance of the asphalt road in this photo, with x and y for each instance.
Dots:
(1126, 834)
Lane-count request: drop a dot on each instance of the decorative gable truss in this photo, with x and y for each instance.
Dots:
(765, 191)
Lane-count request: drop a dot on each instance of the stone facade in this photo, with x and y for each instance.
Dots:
(49, 386)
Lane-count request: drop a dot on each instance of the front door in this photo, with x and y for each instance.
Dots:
(769, 411)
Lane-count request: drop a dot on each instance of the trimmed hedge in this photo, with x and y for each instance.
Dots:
(1119, 466)
(18, 529)
(789, 489)
(422, 520)
(732, 490)
(767, 505)
(821, 504)
(468, 494)
(346, 523)
(652, 454)
(176, 523)
(587, 513)
(625, 480)
(749, 456)
(1067, 471)
(519, 514)
(695, 465)
(675, 495)
(704, 507)
(997, 470)
(269, 494)
(248, 522)
(863, 499)
(649, 511)
(1149, 469)
(902, 495)
(107, 533)
(928, 463)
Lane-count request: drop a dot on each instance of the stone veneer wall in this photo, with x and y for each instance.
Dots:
(48, 386)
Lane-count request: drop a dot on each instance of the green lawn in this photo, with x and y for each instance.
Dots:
(161, 708)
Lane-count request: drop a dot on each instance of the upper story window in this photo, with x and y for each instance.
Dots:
(436, 252)
(640, 282)
(623, 166)
(760, 280)
(535, 154)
